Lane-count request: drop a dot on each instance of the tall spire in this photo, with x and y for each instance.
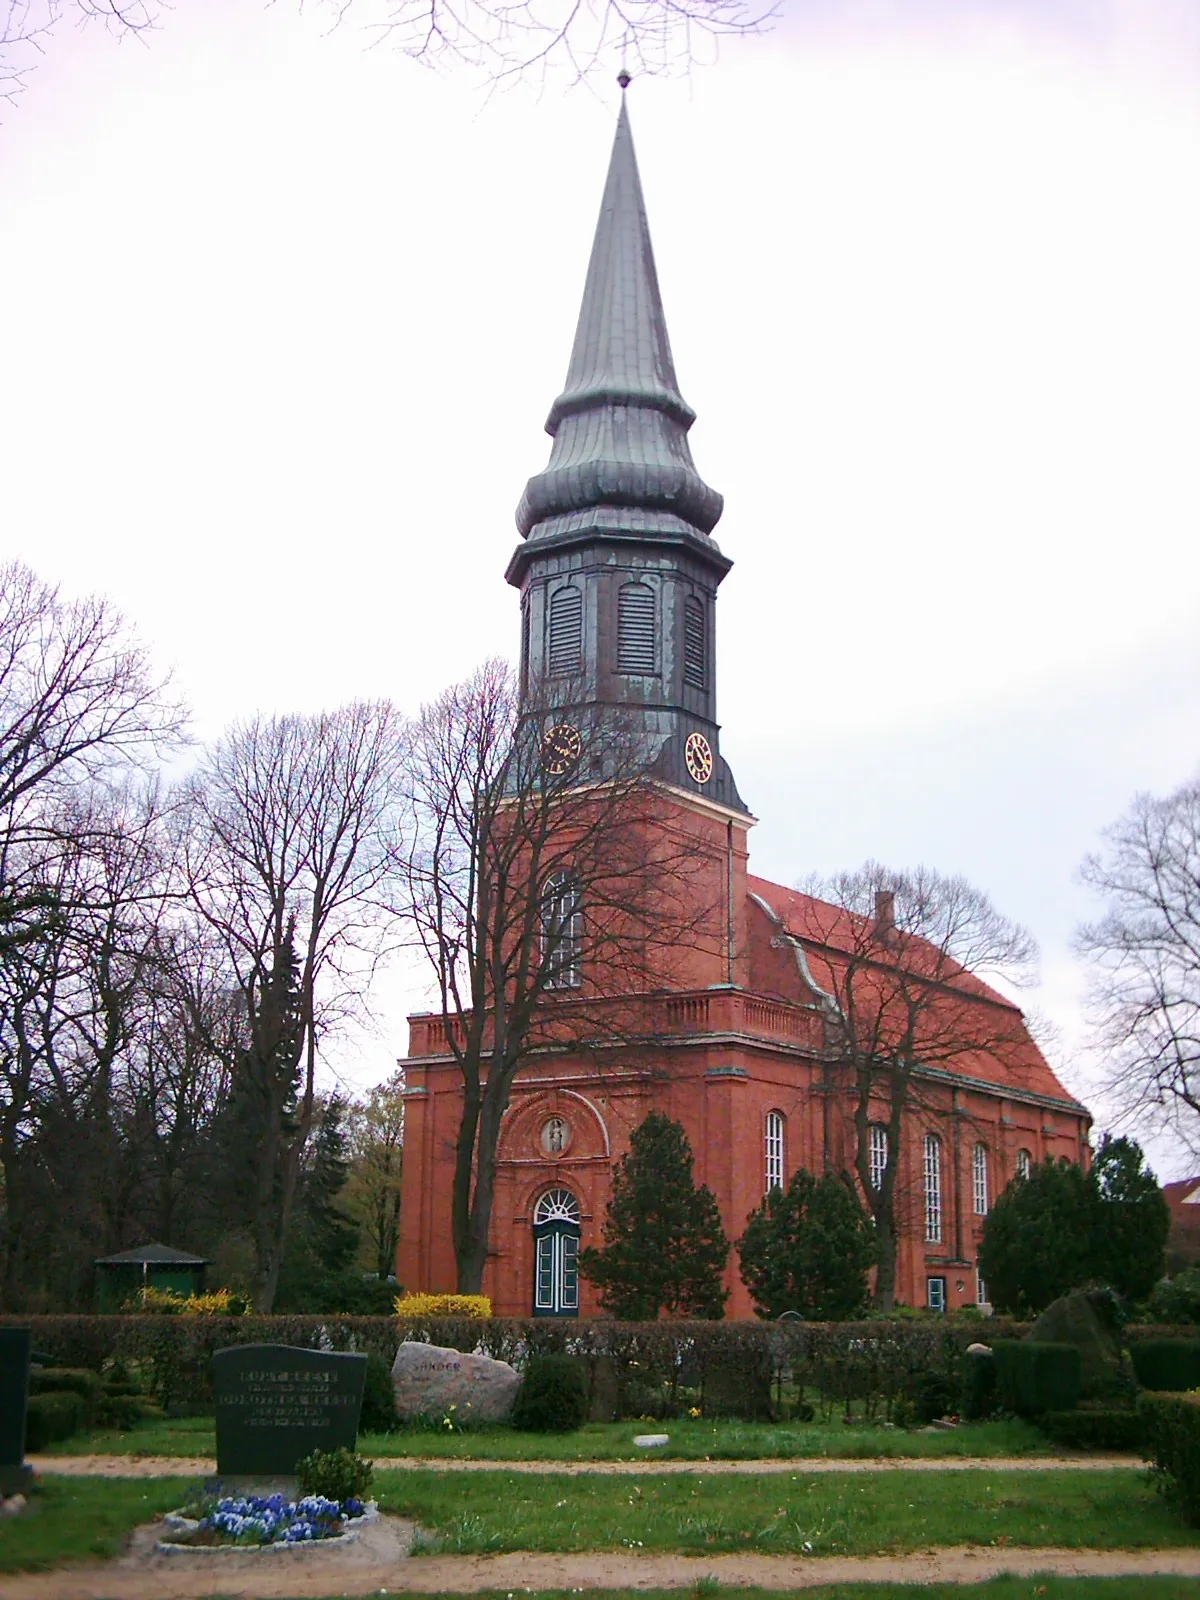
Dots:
(620, 458)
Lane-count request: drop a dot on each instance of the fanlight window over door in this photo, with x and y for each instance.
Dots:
(556, 1255)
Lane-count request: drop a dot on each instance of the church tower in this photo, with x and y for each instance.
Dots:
(618, 570)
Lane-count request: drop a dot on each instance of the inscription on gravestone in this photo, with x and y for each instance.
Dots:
(276, 1403)
(14, 1399)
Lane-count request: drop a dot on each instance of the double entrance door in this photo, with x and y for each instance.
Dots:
(556, 1255)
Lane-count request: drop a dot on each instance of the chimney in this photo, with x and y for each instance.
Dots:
(885, 916)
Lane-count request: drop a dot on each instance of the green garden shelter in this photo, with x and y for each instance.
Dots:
(155, 1266)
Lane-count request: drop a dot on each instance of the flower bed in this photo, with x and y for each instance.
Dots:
(266, 1522)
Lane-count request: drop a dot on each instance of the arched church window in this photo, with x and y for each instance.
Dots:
(979, 1174)
(637, 645)
(877, 1152)
(933, 1189)
(773, 1141)
(693, 643)
(1024, 1163)
(566, 630)
(562, 930)
(556, 1219)
(525, 644)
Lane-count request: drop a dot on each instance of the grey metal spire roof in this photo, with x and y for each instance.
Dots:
(620, 457)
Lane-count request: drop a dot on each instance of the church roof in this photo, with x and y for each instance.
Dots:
(970, 1030)
(620, 458)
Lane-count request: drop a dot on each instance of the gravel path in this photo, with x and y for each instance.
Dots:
(205, 1466)
(143, 1576)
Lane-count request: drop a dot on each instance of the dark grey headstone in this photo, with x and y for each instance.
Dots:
(276, 1403)
(14, 1400)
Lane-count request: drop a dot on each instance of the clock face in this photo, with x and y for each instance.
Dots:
(561, 749)
(697, 753)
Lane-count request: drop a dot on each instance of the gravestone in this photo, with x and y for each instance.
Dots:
(14, 1400)
(432, 1381)
(276, 1403)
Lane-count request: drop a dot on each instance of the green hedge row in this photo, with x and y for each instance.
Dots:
(1034, 1376)
(1172, 1365)
(651, 1367)
(1171, 1434)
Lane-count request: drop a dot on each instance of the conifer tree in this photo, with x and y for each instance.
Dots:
(664, 1247)
(808, 1250)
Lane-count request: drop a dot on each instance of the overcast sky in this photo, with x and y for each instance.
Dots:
(283, 316)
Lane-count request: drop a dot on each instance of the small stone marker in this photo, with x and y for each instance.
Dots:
(15, 1476)
(276, 1403)
(650, 1441)
(431, 1381)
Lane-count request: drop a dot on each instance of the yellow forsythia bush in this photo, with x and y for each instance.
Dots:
(169, 1302)
(443, 1305)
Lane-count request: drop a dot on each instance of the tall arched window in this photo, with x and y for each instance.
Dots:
(637, 643)
(933, 1189)
(979, 1177)
(877, 1151)
(566, 630)
(556, 1255)
(525, 643)
(694, 652)
(562, 930)
(773, 1142)
(1024, 1163)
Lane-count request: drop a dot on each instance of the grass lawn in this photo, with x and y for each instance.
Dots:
(77, 1519)
(691, 1440)
(826, 1514)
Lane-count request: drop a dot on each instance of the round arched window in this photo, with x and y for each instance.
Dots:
(556, 1205)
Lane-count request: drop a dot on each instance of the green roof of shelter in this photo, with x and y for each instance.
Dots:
(152, 1255)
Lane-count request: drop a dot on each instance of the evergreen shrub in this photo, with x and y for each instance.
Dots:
(1167, 1364)
(54, 1416)
(1034, 1376)
(69, 1380)
(1171, 1439)
(443, 1305)
(379, 1397)
(335, 1474)
(979, 1385)
(552, 1397)
(1100, 1429)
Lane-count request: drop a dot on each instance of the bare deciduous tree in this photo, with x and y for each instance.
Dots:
(545, 886)
(1145, 954)
(500, 38)
(901, 958)
(287, 842)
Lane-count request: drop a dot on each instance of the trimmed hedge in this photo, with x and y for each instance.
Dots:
(1034, 1376)
(658, 1368)
(1171, 1424)
(1094, 1430)
(1171, 1365)
(54, 1416)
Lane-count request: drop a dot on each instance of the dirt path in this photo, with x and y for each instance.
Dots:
(272, 1577)
(205, 1466)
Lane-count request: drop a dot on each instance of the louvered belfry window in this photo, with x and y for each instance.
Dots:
(566, 630)
(636, 644)
(693, 643)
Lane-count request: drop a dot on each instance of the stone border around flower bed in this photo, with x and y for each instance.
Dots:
(173, 1547)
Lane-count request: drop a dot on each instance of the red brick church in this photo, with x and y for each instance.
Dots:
(618, 574)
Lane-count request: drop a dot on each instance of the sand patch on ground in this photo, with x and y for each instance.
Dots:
(379, 1561)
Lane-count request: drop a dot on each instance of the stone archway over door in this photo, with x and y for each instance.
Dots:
(556, 1255)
